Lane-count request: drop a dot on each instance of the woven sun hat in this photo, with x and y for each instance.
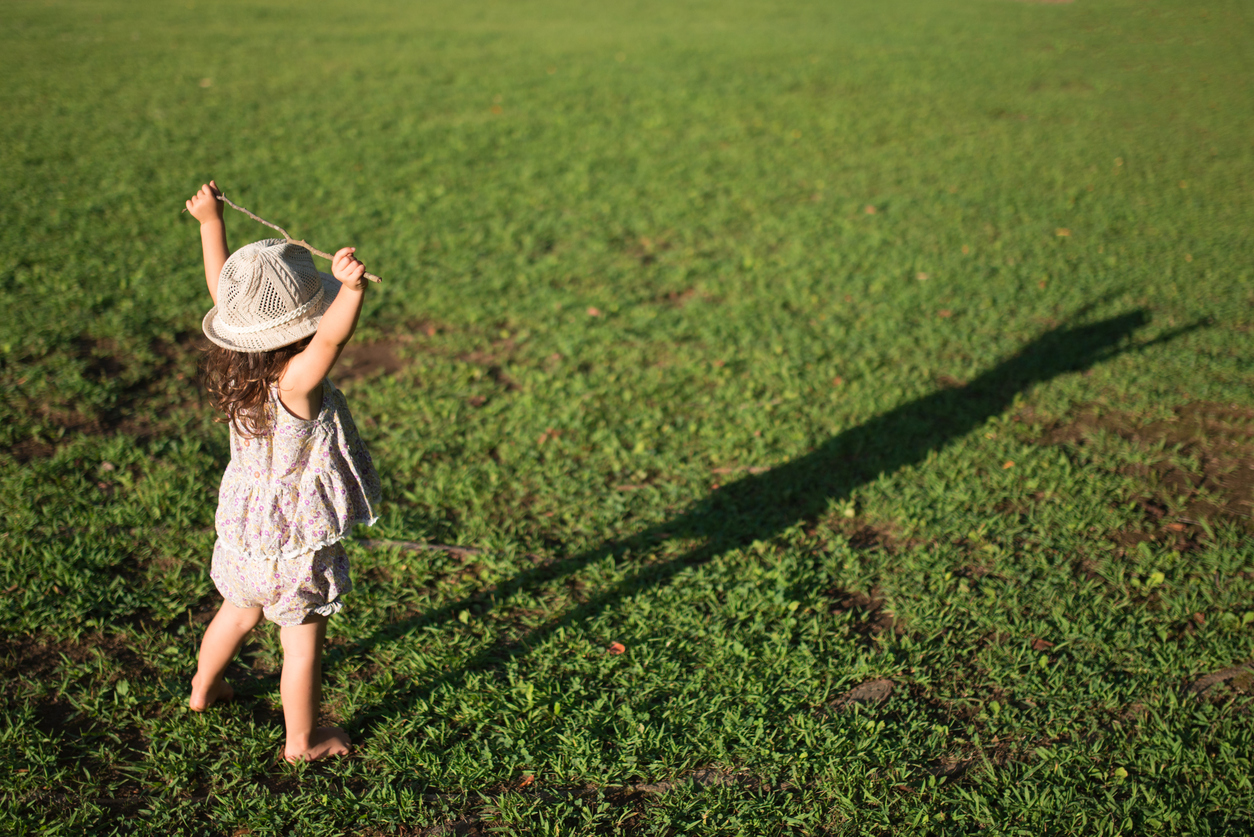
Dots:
(269, 295)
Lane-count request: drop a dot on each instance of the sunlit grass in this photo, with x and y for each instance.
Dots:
(755, 339)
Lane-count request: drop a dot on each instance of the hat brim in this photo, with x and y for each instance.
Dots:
(279, 336)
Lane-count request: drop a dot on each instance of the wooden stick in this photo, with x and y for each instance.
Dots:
(287, 237)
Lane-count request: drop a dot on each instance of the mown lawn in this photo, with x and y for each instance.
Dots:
(875, 377)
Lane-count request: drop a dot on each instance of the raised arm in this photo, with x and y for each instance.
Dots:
(207, 209)
(300, 386)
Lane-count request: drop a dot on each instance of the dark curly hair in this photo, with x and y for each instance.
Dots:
(239, 384)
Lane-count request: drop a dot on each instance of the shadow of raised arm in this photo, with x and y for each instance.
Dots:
(760, 506)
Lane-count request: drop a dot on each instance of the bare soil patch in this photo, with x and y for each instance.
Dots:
(360, 361)
(870, 693)
(1238, 679)
(1205, 455)
(157, 393)
(144, 404)
(26, 660)
(34, 657)
(869, 616)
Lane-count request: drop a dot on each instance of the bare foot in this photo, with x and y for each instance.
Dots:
(325, 741)
(206, 695)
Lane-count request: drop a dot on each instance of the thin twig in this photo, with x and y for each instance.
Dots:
(414, 546)
(286, 237)
(259, 219)
(301, 242)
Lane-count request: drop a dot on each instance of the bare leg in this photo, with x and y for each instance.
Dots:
(221, 643)
(301, 688)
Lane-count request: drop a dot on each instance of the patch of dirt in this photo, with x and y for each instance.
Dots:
(1129, 540)
(467, 826)
(974, 570)
(32, 448)
(165, 388)
(996, 639)
(678, 298)
(499, 352)
(951, 767)
(1017, 509)
(32, 657)
(503, 380)
(868, 618)
(872, 692)
(645, 249)
(144, 407)
(860, 534)
(493, 360)
(1088, 569)
(682, 298)
(871, 537)
(1219, 438)
(961, 699)
(430, 328)
(27, 658)
(705, 777)
(360, 361)
(970, 761)
(1238, 679)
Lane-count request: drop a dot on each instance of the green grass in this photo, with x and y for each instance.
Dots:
(793, 346)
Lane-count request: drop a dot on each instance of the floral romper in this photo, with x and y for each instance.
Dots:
(287, 501)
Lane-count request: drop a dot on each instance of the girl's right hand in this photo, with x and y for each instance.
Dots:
(204, 205)
(346, 268)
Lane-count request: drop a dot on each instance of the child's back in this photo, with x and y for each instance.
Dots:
(299, 478)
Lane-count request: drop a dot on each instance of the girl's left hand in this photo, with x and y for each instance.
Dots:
(204, 205)
(347, 269)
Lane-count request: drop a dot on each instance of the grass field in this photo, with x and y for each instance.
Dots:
(876, 374)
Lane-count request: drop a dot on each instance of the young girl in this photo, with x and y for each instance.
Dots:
(299, 477)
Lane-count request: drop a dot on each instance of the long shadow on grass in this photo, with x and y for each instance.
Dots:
(761, 506)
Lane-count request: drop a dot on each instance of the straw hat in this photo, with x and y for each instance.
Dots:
(269, 295)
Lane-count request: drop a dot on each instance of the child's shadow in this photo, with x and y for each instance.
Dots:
(761, 506)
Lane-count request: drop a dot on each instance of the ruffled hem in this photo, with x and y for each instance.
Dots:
(305, 546)
(330, 608)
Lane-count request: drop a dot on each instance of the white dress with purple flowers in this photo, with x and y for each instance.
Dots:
(300, 488)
